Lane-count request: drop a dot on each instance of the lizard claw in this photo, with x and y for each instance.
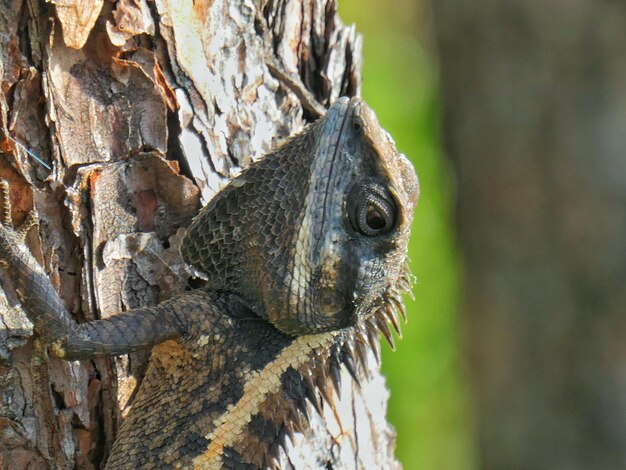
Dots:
(5, 204)
(31, 220)
(5, 214)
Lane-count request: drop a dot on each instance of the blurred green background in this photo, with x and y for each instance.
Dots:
(429, 405)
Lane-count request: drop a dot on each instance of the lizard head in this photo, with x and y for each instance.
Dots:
(314, 235)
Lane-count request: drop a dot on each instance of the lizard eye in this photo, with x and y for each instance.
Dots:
(372, 210)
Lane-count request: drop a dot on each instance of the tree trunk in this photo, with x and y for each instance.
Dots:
(140, 111)
(535, 122)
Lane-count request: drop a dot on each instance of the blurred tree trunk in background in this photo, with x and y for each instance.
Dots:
(535, 122)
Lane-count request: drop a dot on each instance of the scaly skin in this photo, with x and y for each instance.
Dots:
(305, 255)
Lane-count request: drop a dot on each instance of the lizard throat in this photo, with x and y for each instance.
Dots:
(315, 361)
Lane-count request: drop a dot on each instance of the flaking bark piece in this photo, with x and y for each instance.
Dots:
(77, 18)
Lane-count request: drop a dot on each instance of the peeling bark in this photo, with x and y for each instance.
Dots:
(139, 112)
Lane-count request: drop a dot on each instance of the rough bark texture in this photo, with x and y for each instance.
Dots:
(535, 120)
(143, 110)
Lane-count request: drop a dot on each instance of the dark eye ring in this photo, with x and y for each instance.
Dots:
(373, 211)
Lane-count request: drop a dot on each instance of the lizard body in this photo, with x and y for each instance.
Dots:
(305, 259)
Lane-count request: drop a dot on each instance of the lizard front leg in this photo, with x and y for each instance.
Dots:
(120, 334)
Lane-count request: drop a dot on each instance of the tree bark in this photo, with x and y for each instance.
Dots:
(535, 121)
(140, 112)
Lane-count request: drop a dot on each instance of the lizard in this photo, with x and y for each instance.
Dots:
(305, 260)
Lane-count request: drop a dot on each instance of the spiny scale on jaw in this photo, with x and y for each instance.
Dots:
(351, 349)
(257, 429)
(323, 377)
